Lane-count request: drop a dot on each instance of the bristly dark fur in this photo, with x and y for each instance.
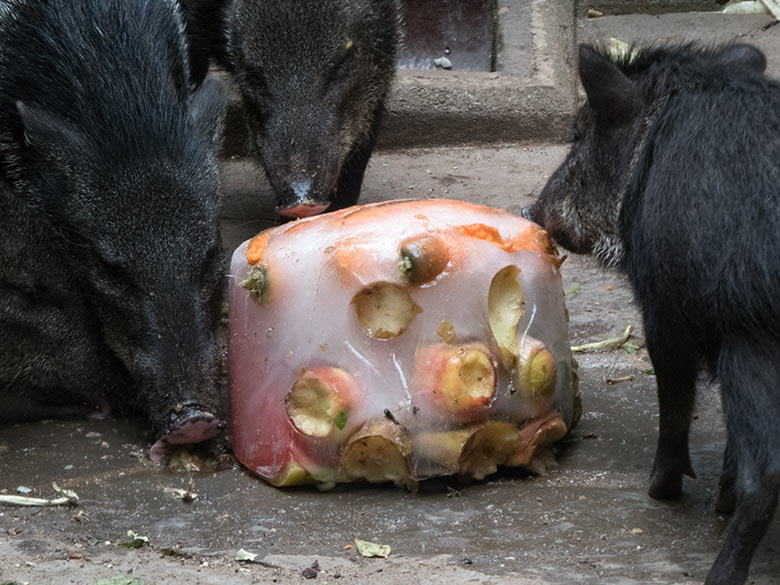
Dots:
(92, 44)
(109, 187)
(674, 177)
(204, 24)
(313, 75)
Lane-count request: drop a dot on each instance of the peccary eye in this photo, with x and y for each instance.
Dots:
(113, 269)
(254, 78)
(27, 291)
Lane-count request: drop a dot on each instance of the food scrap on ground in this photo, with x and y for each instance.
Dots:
(134, 540)
(69, 498)
(244, 555)
(613, 343)
(185, 495)
(372, 549)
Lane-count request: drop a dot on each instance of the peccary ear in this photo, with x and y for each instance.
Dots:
(613, 96)
(207, 109)
(743, 56)
(50, 136)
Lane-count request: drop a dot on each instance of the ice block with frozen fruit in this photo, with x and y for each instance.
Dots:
(398, 341)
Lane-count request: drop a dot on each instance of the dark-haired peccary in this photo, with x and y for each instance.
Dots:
(674, 177)
(109, 201)
(313, 75)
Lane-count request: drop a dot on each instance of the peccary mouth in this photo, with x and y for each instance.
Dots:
(304, 209)
(191, 425)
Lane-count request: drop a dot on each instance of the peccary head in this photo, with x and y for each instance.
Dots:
(582, 204)
(311, 74)
(139, 216)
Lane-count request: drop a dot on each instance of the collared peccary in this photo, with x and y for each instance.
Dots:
(674, 177)
(313, 75)
(110, 280)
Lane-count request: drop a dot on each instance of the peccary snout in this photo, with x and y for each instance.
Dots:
(301, 199)
(188, 423)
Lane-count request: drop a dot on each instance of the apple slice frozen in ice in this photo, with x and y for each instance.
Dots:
(320, 401)
(385, 310)
(536, 371)
(458, 380)
(377, 452)
(505, 308)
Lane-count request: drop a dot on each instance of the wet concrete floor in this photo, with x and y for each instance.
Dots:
(589, 521)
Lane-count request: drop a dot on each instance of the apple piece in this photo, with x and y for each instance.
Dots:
(540, 432)
(476, 451)
(378, 452)
(446, 332)
(293, 474)
(536, 370)
(423, 258)
(320, 401)
(458, 379)
(490, 446)
(443, 449)
(542, 462)
(469, 378)
(385, 310)
(505, 308)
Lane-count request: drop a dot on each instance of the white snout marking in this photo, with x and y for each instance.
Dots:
(301, 188)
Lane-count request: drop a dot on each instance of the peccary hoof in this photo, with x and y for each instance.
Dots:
(191, 425)
(727, 500)
(665, 485)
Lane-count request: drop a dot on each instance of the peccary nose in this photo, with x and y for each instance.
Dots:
(527, 214)
(189, 424)
(299, 200)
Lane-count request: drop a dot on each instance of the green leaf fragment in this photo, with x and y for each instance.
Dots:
(257, 283)
(120, 580)
(372, 549)
(341, 420)
(135, 541)
(245, 555)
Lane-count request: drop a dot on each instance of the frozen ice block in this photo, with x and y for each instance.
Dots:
(397, 341)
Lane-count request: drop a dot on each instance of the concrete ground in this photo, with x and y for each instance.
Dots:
(588, 522)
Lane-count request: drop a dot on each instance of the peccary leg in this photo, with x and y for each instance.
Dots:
(749, 376)
(351, 176)
(727, 498)
(675, 368)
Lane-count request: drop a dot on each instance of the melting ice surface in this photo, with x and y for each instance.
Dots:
(309, 318)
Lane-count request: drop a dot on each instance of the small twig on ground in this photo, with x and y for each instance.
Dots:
(614, 343)
(621, 379)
